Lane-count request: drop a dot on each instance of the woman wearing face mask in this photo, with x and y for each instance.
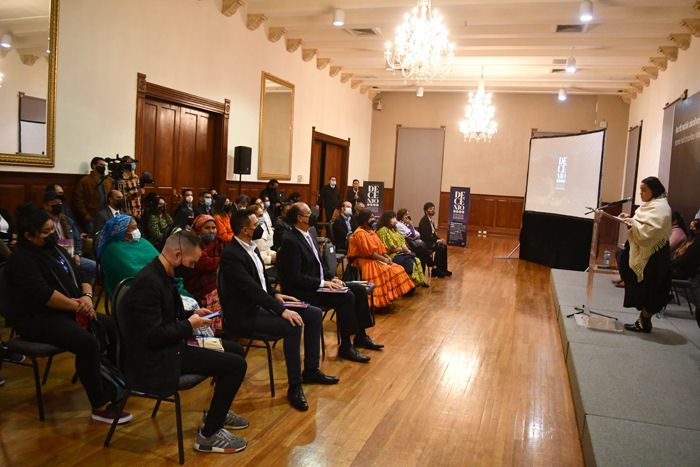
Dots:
(222, 217)
(369, 254)
(262, 237)
(646, 262)
(156, 220)
(397, 249)
(52, 303)
(122, 252)
(201, 281)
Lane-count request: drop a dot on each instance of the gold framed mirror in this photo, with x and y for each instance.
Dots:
(276, 128)
(28, 57)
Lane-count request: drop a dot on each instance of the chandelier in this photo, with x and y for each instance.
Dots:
(421, 49)
(478, 124)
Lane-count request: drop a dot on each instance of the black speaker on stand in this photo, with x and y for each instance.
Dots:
(241, 164)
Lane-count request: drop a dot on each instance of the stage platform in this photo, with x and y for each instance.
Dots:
(637, 396)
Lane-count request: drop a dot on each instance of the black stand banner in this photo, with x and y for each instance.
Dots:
(458, 216)
(374, 195)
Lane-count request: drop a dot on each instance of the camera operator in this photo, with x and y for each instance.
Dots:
(130, 186)
(91, 192)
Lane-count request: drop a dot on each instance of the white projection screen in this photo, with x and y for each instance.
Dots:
(564, 173)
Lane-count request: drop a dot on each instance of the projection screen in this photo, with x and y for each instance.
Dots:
(564, 173)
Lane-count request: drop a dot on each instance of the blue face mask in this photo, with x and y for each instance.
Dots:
(207, 201)
(207, 237)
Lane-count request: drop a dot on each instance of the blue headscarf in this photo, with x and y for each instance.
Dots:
(113, 231)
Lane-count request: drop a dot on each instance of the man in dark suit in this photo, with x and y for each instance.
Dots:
(206, 200)
(157, 354)
(302, 273)
(428, 233)
(343, 226)
(115, 205)
(251, 304)
(354, 194)
(329, 198)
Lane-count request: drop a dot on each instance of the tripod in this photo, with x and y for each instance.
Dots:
(510, 254)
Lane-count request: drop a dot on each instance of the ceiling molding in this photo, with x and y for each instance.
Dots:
(308, 54)
(345, 77)
(293, 44)
(692, 25)
(230, 7)
(275, 34)
(652, 71)
(322, 63)
(669, 52)
(334, 70)
(355, 83)
(661, 62)
(681, 40)
(29, 59)
(253, 22)
(364, 89)
(644, 79)
(637, 86)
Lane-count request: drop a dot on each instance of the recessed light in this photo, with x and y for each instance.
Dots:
(338, 18)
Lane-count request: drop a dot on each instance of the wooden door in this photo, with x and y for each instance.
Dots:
(315, 181)
(195, 156)
(333, 166)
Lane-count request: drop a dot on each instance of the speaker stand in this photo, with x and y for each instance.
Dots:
(240, 184)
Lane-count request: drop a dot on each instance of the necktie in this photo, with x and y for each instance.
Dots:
(310, 243)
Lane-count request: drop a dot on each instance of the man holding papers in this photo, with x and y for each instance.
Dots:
(302, 274)
(251, 304)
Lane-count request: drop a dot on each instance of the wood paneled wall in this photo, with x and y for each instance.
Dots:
(18, 187)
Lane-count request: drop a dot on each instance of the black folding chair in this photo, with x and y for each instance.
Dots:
(690, 288)
(31, 350)
(99, 274)
(185, 382)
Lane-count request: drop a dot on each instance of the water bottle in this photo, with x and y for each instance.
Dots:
(606, 258)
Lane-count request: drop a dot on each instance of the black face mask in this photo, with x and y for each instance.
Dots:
(57, 209)
(161, 208)
(119, 204)
(101, 169)
(51, 241)
(227, 208)
(183, 271)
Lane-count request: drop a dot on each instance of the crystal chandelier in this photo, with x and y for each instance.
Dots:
(421, 49)
(478, 124)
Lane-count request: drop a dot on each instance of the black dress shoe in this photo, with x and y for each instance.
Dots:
(448, 273)
(366, 342)
(438, 273)
(641, 325)
(318, 377)
(296, 398)
(351, 353)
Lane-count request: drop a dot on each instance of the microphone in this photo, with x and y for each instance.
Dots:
(618, 202)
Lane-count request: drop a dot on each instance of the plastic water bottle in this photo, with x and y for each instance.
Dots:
(606, 258)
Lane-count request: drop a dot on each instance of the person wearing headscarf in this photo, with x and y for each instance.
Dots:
(122, 253)
(646, 262)
(201, 281)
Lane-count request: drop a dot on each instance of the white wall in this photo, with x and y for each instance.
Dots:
(648, 106)
(29, 79)
(190, 46)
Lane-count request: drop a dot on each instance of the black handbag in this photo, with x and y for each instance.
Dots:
(352, 273)
(113, 381)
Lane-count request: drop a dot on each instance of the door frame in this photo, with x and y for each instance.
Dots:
(219, 110)
(315, 167)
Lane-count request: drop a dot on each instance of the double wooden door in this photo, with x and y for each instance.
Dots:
(329, 158)
(178, 148)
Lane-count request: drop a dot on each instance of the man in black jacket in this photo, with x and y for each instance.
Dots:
(329, 198)
(428, 233)
(115, 205)
(157, 353)
(343, 226)
(354, 194)
(302, 273)
(251, 304)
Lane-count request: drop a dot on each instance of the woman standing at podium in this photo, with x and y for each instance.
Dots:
(647, 257)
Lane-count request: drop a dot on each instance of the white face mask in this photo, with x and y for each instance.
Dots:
(332, 183)
(189, 199)
(267, 204)
(135, 235)
(348, 212)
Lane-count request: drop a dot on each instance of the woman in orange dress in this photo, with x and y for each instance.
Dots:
(369, 254)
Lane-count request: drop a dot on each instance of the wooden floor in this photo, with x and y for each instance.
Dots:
(472, 374)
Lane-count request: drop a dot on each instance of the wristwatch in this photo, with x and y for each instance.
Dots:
(87, 294)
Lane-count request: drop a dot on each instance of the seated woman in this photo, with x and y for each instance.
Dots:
(222, 217)
(262, 238)
(368, 253)
(156, 220)
(678, 232)
(686, 260)
(405, 227)
(52, 304)
(201, 281)
(397, 249)
(122, 254)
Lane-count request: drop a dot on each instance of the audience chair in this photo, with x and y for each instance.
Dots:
(99, 275)
(186, 381)
(269, 341)
(690, 288)
(31, 350)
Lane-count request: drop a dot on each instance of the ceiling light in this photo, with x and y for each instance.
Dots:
(478, 124)
(419, 92)
(339, 18)
(562, 95)
(586, 11)
(6, 41)
(571, 65)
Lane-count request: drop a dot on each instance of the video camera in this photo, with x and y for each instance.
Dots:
(117, 166)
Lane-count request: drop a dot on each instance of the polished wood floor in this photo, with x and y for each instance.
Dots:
(472, 374)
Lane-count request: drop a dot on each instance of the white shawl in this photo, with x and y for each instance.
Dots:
(650, 229)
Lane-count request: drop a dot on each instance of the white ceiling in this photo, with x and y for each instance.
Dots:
(515, 41)
(27, 21)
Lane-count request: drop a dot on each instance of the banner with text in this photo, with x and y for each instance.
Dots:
(458, 216)
(683, 188)
(374, 196)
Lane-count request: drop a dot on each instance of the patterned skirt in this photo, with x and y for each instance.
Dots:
(391, 280)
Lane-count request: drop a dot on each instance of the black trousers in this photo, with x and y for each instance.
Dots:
(228, 368)
(59, 328)
(440, 250)
(351, 309)
(269, 323)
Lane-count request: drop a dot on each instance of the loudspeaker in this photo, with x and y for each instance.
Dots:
(241, 160)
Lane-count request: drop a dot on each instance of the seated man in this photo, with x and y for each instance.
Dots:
(157, 354)
(251, 304)
(206, 202)
(428, 233)
(343, 226)
(302, 273)
(115, 205)
(187, 202)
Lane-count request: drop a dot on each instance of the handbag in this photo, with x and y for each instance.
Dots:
(113, 381)
(352, 273)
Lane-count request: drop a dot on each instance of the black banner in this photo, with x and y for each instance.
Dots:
(374, 196)
(458, 216)
(683, 187)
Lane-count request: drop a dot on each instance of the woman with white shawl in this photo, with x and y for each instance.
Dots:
(646, 265)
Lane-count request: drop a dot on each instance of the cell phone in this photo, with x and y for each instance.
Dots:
(212, 315)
